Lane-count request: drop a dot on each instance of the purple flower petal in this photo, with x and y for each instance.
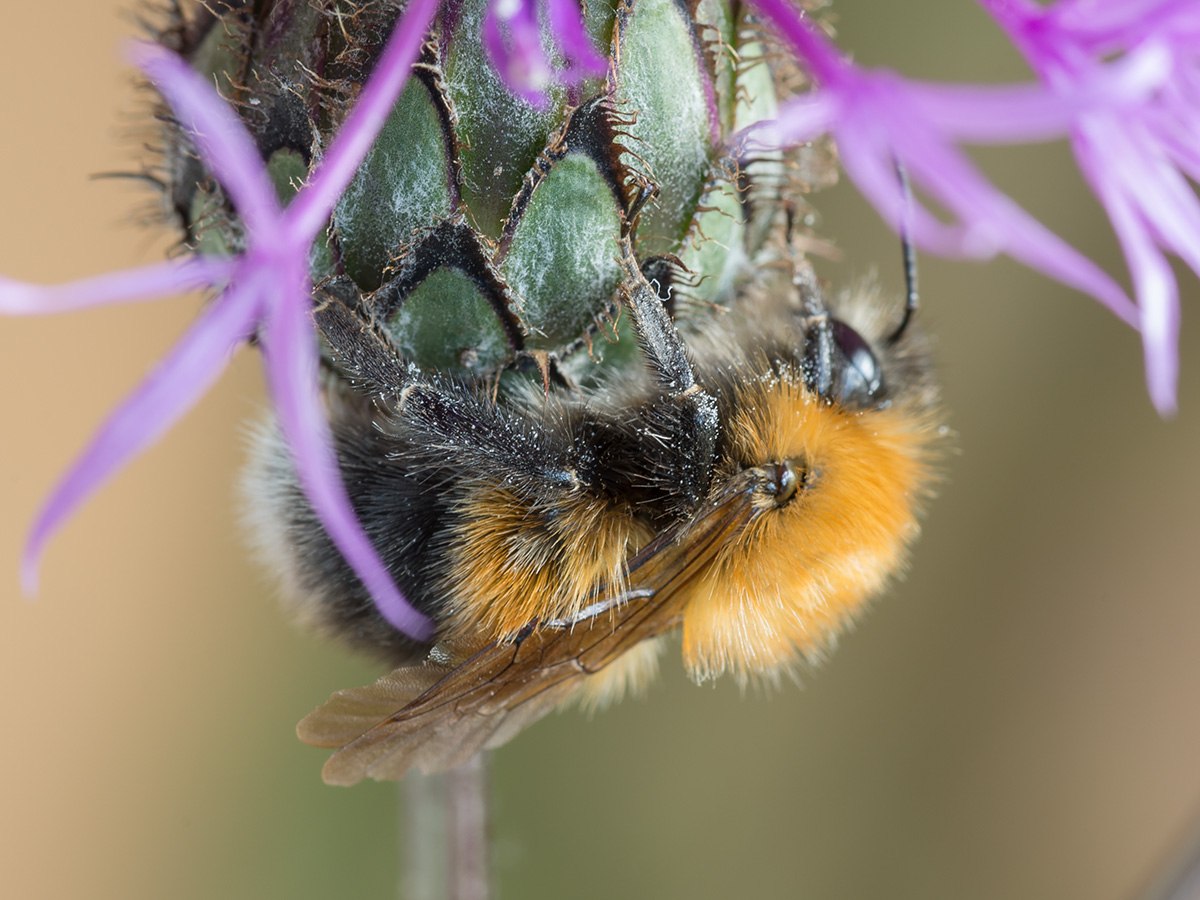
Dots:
(874, 173)
(1154, 283)
(1107, 25)
(528, 58)
(992, 113)
(1150, 205)
(494, 46)
(18, 298)
(222, 140)
(880, 119)
(802, 119)
(566, 25)
(186, 373)
(523, 66)
(291, 362)
(1027, 113)
(308, 213)
(1136, 156)
(996, 220)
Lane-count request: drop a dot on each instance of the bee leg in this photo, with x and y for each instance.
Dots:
(682, 423)
(446, 418)
(359, 349)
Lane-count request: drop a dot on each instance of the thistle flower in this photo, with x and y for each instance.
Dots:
(1136, 156)
(879, 120)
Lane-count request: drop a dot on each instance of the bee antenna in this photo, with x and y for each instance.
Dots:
(908, 253)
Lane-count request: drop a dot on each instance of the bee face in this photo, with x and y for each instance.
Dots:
(756, 499)
(826, 537)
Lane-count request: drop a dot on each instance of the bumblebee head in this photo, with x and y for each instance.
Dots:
(841, 434)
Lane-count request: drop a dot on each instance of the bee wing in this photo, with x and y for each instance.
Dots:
(434, 717)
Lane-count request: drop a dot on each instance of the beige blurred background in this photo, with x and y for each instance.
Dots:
(1019, 719)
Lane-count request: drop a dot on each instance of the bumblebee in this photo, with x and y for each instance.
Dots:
(753, 485)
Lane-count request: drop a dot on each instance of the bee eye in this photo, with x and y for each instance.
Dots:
(839, 365)
(861, 377)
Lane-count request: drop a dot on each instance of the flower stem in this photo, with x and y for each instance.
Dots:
(468, 831)
(444, 842)
(422, 845)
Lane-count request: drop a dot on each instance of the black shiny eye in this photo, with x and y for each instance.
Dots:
(861, 376)
(839, 365)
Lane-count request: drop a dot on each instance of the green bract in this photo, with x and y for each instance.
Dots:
(481, 231)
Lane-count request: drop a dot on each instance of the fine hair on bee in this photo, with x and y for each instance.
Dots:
(753, 484)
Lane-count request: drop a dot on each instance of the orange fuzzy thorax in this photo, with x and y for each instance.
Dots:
(798, 573)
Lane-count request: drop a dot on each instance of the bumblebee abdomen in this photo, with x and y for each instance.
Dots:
(402, 510)
(512, 563)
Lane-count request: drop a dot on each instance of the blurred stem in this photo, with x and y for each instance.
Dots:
(468, 830)
(445, 835)
(423, 849)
